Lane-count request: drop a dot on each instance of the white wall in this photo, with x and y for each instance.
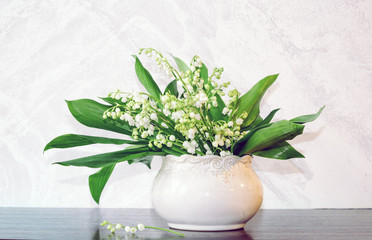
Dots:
(57, 50)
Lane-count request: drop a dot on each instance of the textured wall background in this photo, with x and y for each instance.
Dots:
(56, 50)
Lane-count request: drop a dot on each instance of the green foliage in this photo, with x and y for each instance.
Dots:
(182, 66)
(261, 122)
(173, 151)
(271, 135)
(216, 112)
(254, 124)
(282, 151)
(98, 181)
(204, 73)
(111, 101)
(307, 118)
(145, 160)
(89, 113)
(250, 102)
(172, 88)
(146, 79)
(268, 118)
(105, 159)
(75, 140)
(238, 146)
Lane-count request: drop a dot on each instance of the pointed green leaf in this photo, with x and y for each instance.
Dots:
(75, 140)
(260, 122)
(269, 136)
(89, 113)
(238, 146)
(145, 160)
(216, 112)
(105, 159)
(172, 88)
(146, 79)
(98, 181)
(282, 151)
(254, 124)
(268, 118)
(204, 73)
(182, 66)
(307, 118)
(112, 101)
(250, 102)
(173, 151)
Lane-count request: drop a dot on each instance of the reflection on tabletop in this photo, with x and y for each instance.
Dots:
(103, 234)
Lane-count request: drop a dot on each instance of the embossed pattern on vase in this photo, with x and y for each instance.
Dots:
(212, 165)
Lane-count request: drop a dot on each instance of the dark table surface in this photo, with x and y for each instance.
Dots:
(84, 223)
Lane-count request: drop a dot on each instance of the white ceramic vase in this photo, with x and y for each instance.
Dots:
(206, 193)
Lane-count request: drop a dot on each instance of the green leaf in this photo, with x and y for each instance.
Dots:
(98, 181)
(238, 146)
(105, 159)
(204, 73)
(182, 66)
(307, 118)
(258, 122)
(254, 124)
(89, 113)
(172, 151)
(282, 151)
(268, 118)
(172, 88)
(250, 102)
(216, 112)
(145, 160)
(146, 79)
(271, 135)
(75, 140)
(112, 101)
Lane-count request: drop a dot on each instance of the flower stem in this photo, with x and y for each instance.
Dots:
(167, 230)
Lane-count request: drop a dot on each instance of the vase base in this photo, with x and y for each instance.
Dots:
(192, 227)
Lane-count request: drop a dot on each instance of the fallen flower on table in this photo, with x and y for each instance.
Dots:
(113, 227)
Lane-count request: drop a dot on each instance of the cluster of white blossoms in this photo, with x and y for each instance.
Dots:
(113, 227)
(128, 229)
(183, 123)
(136, 109)
(159, 59)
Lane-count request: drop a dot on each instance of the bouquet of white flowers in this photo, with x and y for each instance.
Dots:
(188, 117)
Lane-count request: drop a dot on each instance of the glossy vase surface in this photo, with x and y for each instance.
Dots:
(206, 193)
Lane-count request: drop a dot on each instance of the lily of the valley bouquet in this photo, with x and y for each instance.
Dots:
(188, 117)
